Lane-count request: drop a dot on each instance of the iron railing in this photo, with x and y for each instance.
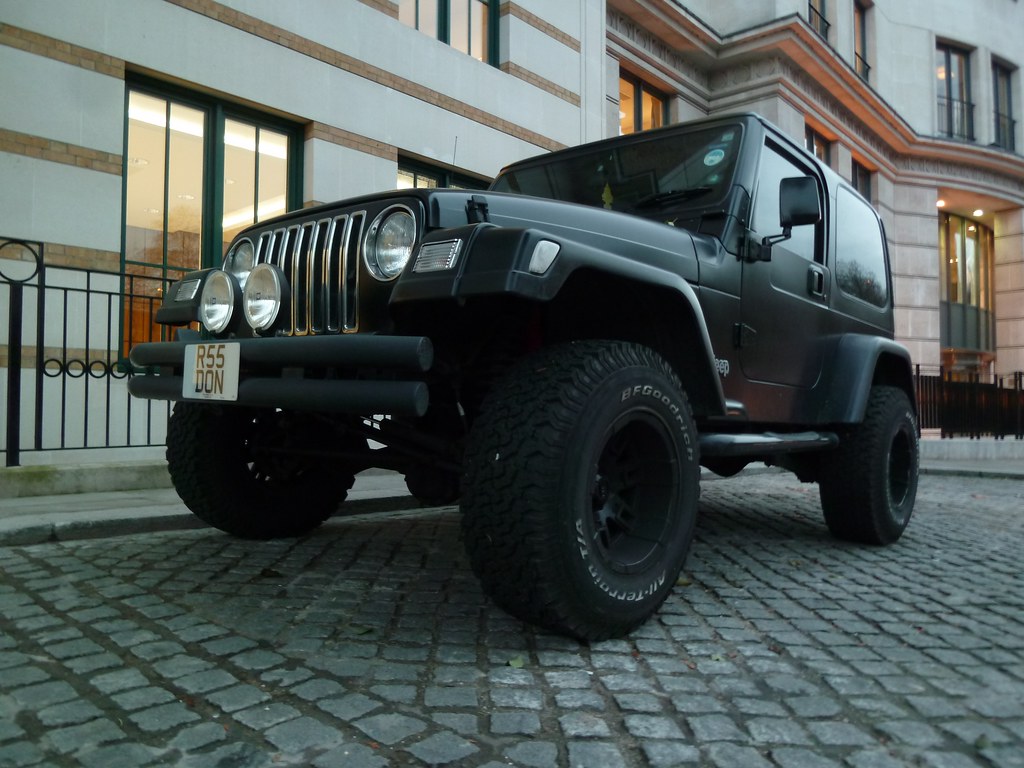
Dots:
(1006, 127)
(64, 370)
(862, 67)
(974, 406)
(817, 20)
(956, 119)
(64, 349)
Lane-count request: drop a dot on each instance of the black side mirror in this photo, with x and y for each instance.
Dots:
(798, 205)
(798, 202)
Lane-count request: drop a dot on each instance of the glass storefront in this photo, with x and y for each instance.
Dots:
(966, 249)
(194, 177)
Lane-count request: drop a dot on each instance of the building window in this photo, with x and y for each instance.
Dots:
(412, 175)
(860, 179)
(818, 145)
(860, 39)
(953, 83)
(640, 106)
(469, 26)
(1005, 125)
(817, 16)
(197, 171)
(967, 257)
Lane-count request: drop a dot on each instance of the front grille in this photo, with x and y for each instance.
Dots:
(321, 261)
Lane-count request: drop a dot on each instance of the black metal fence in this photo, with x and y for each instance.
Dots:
(63, 369)
(972, 407)
(63, 365)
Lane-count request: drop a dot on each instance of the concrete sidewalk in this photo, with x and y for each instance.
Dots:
(83, 501)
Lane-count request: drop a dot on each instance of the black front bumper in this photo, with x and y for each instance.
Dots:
(360, 375)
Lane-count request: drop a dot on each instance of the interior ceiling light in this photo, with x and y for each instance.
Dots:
(978, 212)
(940, 203)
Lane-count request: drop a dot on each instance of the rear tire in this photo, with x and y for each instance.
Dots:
(869, 483)
(582, 480)
(433, 487)
(223, 475)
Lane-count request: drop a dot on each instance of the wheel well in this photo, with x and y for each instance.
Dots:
(481, 337)
(596, 305)
(892, 370)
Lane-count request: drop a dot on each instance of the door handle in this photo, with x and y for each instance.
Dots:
(816, 281)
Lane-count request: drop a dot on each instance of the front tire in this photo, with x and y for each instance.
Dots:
(582, 480)
(868, 485)
(227, 466)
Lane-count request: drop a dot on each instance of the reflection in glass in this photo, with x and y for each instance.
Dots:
(255, 176)
(163, 205)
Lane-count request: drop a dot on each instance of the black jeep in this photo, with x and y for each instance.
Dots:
(561, 354)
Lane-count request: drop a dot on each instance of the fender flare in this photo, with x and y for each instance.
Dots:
(496, 262)
(860, 362)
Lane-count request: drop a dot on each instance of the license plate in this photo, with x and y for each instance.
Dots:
(211, 371)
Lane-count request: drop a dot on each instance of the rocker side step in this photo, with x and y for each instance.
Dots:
(727, 445)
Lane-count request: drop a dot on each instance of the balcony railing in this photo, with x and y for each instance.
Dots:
(818, 22)
(862, 66)
(1006, 128)
(956, 119)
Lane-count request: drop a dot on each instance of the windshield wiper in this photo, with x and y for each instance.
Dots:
(671, 196)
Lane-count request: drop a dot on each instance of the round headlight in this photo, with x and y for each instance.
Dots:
(262, 299)
(240, 259)
(217, 302)
(389, 243)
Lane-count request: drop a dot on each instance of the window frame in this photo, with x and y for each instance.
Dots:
(1005, 126)
(815, 140)
(951, 123)
(817, 17)
(445, 178)
(967, 300)
(860, 40)
(443, 31)
(216, 111)
(862, 179)
(640, 89)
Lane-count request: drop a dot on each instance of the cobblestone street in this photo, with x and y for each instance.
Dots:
(370, 644)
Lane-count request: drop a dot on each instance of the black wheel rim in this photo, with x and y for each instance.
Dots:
(633, 494)
(900, 472)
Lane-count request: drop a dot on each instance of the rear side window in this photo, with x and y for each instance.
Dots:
(860, 250)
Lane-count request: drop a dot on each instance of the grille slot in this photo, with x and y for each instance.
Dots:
(321, 262)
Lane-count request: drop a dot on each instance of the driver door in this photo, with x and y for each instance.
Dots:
(784, 301)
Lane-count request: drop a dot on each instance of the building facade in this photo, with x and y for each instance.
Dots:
(917, 102)
(136, 136)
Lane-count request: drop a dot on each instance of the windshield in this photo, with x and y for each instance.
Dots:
(645, 176)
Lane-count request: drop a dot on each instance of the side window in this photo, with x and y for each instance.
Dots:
(774, 168)
(860, 250)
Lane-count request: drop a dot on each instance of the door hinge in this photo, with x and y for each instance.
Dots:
(476, 209)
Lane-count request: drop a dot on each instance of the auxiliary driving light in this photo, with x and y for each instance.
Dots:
(217, 302)
(263, 296)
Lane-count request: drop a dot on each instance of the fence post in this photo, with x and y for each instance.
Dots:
(14, 376)
(15, 345)
(1018, 386)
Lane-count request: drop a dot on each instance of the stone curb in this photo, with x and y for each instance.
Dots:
(98, 525)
